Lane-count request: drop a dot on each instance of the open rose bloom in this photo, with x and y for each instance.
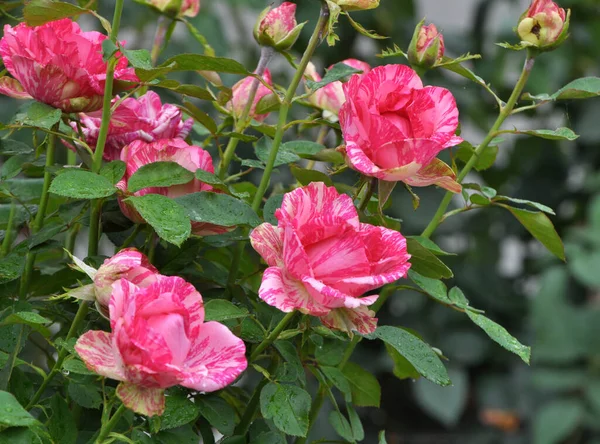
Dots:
(144, 118)
(322, 259)
(394, 127)
(159, 339)
(331, 97)
(138, 153)
(57, 64)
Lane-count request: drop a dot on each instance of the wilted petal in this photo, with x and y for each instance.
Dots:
(96, 349)
(436, 173)
(142, 400)
(359, 319)
(13, 88)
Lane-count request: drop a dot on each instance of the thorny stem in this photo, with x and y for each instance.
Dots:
(505, 111)
(266, 53)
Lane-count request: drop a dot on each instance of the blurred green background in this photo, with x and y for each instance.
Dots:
(552, 306)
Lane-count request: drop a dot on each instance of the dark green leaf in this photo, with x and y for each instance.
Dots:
(433, 287)
(263, 150)
(138, 58)
(558, 134)
(307, 176)
(583, 88)
(218, 413)
(289, 353)
(167, 217)
(501, 336)
(557, 420)
(186, 90)
(12, 414)
(10, 147)
(485, 160)
(338, 72)
(402, 368)
(86, 395)
(222, 310)
(38, 12)
(113, 171)
(336, 376)
(303, 148)
(355, 423)
(80, 184)
(445, 404)
(341, 425)
(287, 406)
(271, 205)
(74, 365)
(196, 62)
(61, 426)
(430, 245)
(417, 352)
(33, 320)
(458, 298)
(11, 266)
(39, 115)
(365, 388)
(179, 410)
(200, 117)
(540, 226)
(218, 209)
(159, 174)
(426, 263)
(530, 203)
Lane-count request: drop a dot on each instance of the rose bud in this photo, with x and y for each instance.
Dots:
(426, 47)
(544, 25)
(159, 339)
(356, 5)
(175, 8)
(277, 27)
(241, 93)
(331, 97)
(57, 64)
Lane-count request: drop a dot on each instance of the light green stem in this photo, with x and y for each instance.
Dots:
(38, 222)
(96, 205)
(8, 235)
(272, 336)
(107, 428)
(286, 105)
(505, 111)
(244, 119)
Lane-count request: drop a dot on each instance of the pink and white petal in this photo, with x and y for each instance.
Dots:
(267, 240)
(445, 114)
(13, 88)
(333, 298)
(216, 359)
(358, 160)
(360, 319)
(142, 400)
(295, 259)
(400, 174)
(453, 141)
(187, 294)
(206, 229)
(287, 294)
(436, 173)
(96, 349)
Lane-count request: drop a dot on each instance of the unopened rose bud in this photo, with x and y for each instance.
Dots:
(544, 25)
(241, 93)
(356, 5)
(277, 27)
(426, 47)
(175, 8)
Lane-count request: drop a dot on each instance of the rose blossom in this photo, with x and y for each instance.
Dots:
(139, 153)
(543, 24)
(331, 97)
(322, 259)
(241, 93)
(57, 64)
(394, 127)
(144, 118)
(277, 27)
(159, 339)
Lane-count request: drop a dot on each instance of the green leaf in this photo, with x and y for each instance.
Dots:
(557, 420)
(179, 410)
(287, 406)
(458, 298)
(39, 115)
(530, 203)
(364, 387)
(138, 58)
(336, 376)
(289, 353)
(338, 72)
(402, 368)
(446, 404)
(218, 209)
(11, 266)
(272, 204)
(10, 147)
(167, 217)
(426, 263)
(431, 246)
(434, 287)
(303, 148)
(341, 425)
(222, 310)
(210, 178)
(86, 395)
(499, 334)
(38, 12)
(418, 353)
(12, 414)
(196, 62)
(478, 199)
(186, 90)
(33, 320)
(485, 160)
(200, 117)
(355, 423)
(218, 413)
(61, 426)
(558, 134)
(583, 88)
(80, 184)
(382, 439)
(159, 174)
(540, 227)
(263, 150)
(307, 176)
(74, 365)
(113, 171)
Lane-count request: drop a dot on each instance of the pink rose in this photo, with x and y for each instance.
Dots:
(427, 46)
(277, 27)
(322, 259)
(57, 64)
(127, 264)
(145, 118)
(159, 339)
(241, 93)
(394, 127)
(331, 97)
(139, 153)
(543, 24)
